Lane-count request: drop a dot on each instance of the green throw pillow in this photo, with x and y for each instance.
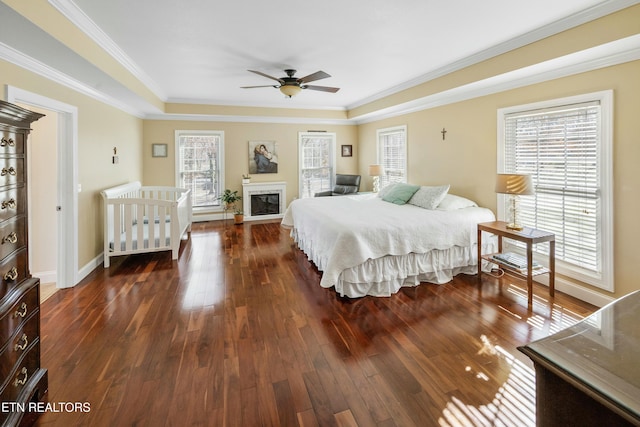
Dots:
(400, 193)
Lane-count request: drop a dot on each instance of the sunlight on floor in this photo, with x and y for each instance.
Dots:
(514, 403)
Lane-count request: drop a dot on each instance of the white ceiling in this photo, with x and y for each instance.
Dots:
(199, 51)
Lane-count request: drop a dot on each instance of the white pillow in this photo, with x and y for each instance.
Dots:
(452, 202)
(429, 197)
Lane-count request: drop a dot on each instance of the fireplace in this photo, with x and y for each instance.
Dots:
(264, 200)
(265, 204)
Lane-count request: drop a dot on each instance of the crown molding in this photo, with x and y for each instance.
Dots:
(605, 55)
(587, 15)
(249, 119)
(80, 19)
(18, 58)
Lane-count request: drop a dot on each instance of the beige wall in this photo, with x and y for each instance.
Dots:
(100, 128)
(43, 195)
(161, 171)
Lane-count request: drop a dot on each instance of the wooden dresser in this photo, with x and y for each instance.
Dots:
(23, 382)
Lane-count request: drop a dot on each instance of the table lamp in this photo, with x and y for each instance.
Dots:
(514, 185)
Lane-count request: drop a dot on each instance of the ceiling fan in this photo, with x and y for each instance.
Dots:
(291, 86)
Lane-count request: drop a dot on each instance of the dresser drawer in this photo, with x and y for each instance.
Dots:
(19, 343)
(11, 143)
(15, 313)
(12, 236)
(28, 365)
(12, 202)
(13, 270)
(11, 171)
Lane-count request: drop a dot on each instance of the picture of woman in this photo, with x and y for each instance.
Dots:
(264, 158)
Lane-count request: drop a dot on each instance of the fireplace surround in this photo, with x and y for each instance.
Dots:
(267, 196)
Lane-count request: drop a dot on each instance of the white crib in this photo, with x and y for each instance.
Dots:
(141, 219)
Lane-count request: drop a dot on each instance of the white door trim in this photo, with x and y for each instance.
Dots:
(67, 180)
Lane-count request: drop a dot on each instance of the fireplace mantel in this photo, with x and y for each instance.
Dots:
(279, 188)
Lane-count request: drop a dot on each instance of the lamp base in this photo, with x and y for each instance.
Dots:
(376, 184)
(516, 227)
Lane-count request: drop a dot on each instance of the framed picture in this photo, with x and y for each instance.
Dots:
(263, 157)
(347, 151)
(159, 150)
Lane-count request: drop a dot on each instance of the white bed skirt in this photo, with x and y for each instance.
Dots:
(384, 276)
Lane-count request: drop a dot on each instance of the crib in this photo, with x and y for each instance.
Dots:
(141, 219)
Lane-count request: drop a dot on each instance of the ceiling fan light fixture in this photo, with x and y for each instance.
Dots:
(290, 90)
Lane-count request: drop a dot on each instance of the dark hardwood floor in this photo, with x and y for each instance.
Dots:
(238, 332)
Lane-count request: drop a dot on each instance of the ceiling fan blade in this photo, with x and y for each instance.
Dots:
(267, 76)
(313, 77)
(321, 88)
(251, 87)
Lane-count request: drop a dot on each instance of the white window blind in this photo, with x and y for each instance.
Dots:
(317, 158)
(561, 148)
(392, 154)
(199, 158)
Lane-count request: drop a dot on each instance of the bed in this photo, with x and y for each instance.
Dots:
(364, 245)
(141, 219)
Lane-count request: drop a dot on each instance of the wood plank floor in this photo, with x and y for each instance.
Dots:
(238, 332)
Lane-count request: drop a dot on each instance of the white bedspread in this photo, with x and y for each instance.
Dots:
(339, 233)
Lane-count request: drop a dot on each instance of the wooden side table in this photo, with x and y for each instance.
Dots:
(530, 236)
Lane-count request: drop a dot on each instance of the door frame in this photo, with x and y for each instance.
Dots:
(67, 143)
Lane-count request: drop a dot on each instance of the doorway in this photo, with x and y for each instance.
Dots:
(66, 210)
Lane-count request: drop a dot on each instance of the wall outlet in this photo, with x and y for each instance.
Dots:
(115, 159)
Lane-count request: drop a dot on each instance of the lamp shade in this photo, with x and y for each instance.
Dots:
(290, 90)
(375, 170)
(514, 184)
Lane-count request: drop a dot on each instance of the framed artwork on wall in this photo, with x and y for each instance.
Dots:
(347, 151)
(263, 157)
(159, 150)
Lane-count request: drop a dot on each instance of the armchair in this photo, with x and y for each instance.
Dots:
(345, 184)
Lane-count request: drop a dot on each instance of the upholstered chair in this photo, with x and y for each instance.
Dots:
(345, 184)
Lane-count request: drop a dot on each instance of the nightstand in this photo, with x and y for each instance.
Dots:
(529, 236)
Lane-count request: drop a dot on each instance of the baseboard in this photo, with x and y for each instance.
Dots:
(89, 267)
(46, 276)
(211, 217)
(577, 291)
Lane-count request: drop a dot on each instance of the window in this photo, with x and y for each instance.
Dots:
(392, 154)
(565, 145)
(200, 166)
(317, 162)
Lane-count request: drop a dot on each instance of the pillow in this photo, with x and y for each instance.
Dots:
(452, 202)
(429, 197)
(400, 193)
(386, 189)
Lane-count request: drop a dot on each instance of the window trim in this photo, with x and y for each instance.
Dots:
(332, 156)
(604, 280)
(392, 129)
(200, 132)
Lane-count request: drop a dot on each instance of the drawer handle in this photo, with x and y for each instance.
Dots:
(11, 204)
(10, 142)
(22, 313)
(23, 381)
(11, 274)
(10, 171)
(11, 238)
(25, 343)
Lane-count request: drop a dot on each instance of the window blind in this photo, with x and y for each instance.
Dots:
(559, 148)
(392, 155)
